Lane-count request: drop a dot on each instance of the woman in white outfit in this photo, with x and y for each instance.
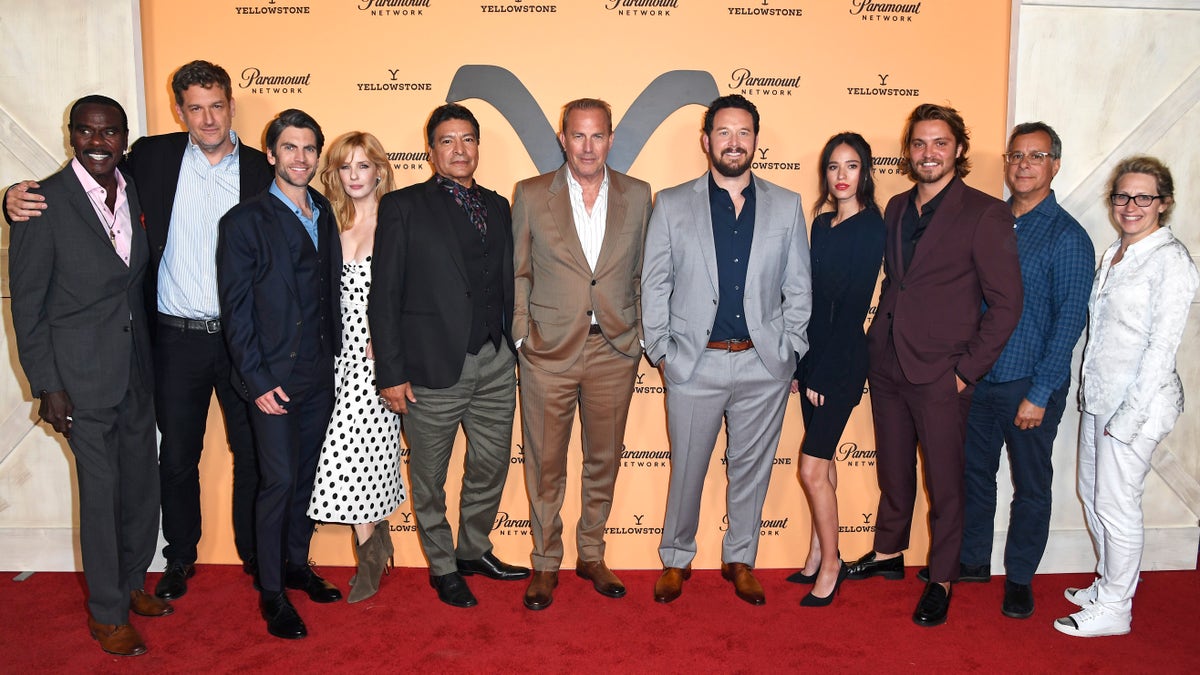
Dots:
(1130, 391)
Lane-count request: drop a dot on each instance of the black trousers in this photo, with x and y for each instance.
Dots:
(189, 366)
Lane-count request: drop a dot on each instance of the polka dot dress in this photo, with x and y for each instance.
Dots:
(358, 478)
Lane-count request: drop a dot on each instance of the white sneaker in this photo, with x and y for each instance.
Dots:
(1095, 620)
(1082, 596)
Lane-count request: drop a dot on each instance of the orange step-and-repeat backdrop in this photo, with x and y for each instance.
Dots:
(812, 67)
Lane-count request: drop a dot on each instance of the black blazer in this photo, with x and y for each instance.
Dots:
(77, 308)
(155, 162)
(260, 301)
(420, 304)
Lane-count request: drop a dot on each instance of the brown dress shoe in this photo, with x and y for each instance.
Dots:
(744, 583)
(540, 592)
(670, 584)
(146, 604)
(122, 639)
(602, 578)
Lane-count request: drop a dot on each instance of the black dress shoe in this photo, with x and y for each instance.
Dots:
(1018, 600)
(318, 590)
(453, 590)
(975, 574)
(867, 567)
(492, 567)
(931, 610)
(173, 583)
(282, 619)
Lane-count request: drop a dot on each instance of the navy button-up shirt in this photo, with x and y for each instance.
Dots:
(732, 235)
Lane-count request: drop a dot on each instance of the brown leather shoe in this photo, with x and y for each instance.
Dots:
(122, 640)
(670, 584)
(145, 604)
(602, 578)
(744, 583)
(540, 592)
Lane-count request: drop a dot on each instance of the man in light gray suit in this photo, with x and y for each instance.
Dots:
(726, 297)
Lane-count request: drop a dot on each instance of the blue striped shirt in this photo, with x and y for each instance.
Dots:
(187, 275)
(1057, 262)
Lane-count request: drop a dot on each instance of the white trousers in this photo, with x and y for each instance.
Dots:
(1112, 478)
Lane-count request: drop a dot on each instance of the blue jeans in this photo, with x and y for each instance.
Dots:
(990, 424)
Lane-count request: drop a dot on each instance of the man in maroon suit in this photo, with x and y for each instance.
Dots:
(951, 298)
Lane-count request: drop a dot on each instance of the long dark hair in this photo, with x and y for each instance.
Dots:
(866, 182)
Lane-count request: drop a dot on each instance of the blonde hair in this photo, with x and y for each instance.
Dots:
(1153, 167)
(338, 153)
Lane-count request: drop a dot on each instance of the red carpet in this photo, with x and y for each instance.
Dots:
(216, 629)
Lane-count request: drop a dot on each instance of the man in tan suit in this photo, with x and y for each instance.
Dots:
(578, 235)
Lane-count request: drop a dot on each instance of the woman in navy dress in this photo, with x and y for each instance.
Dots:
(847, 250)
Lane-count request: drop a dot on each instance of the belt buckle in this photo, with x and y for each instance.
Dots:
(212, 326)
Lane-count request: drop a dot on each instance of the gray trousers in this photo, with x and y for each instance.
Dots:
(482, 402)
(737, 388)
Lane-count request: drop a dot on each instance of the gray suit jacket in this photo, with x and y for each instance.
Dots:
(78, 311)
(679, 279)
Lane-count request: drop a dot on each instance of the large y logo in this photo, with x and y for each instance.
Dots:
(500, 88)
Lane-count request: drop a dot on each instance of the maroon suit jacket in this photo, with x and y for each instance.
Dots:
(935, 311)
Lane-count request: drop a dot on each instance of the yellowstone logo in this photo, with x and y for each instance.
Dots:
(645, 458)
(768, 527)
(883, 89)
(407, 524)
(393, 7)
(887, 165)
(764, 8)
(409, 161)
(747, 83)
(510, 526)
(642, 8)
(394, 84)
(867, 10)
(662, 97)
(865, 526)
(634, 526)
(641, 387)
(255, 81)
(849, 454)
(762, 163)
(271, 8)
(518, 458)
(518, 7)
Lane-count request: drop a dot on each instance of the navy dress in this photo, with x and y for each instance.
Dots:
(845, 268)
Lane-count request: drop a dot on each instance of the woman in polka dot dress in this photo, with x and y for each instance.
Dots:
(358, 478)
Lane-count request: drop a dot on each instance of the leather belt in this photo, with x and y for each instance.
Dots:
(732, 345)
(209, 326)
(594, 329)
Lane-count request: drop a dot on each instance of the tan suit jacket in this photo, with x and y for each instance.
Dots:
(556, 290)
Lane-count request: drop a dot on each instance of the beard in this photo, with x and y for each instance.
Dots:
(931, 174)
(729, 167)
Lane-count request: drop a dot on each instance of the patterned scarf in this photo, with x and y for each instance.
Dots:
(471, 201)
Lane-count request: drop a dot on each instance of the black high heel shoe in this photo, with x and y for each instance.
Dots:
(811, 600)
(799, 577)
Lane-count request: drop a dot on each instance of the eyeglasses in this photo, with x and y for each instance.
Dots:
(1121, 199)
(1035, 158)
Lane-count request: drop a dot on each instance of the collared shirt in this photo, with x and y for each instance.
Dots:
(1057, 261)
(913, 224)
(187, 274)
(589, 226)
(309, 222)
(470, 199)
(1136, 317)
(117, 223)
(732, 236)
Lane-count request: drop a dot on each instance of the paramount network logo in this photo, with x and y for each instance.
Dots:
(394, 83)
(504, 92)
(636, 526)
(890, 165)
(850, 454)
(763, 163)
(748, 84)
(865, 526)
(641, 7)
(505, 524)
(519, 8)
(409, 161)
(393, 7)
(882, 89)
(404, 454)
(272, 8)
(645, 458)
(763, 8)
(257, 82)
(768, 527)
(884, 11)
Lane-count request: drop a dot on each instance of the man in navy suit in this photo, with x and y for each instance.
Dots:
(186, 182)
(83, 342)
(278, 268)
